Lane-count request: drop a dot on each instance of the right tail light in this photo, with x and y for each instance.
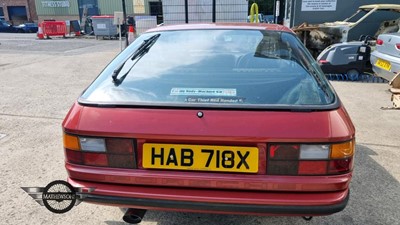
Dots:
(310, 159)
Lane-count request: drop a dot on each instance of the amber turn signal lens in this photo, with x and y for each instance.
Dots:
(71, 142)
(342, 150)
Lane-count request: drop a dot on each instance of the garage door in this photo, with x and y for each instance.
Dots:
(17, 14)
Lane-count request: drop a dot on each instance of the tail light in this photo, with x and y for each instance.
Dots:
(323, 61)
(107, 152)
(398, 46)
(310, 159)
(379, 42)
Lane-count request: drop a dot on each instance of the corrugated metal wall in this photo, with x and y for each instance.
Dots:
(43, 9)
(108, 7)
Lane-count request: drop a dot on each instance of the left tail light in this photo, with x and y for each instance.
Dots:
(310, 159)
(94, 151)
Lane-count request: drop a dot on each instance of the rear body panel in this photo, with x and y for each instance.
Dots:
(217, 127)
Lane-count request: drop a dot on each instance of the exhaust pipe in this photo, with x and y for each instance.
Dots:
(134, 216)
(307, 218)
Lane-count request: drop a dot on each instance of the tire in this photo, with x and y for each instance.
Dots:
(353, 74)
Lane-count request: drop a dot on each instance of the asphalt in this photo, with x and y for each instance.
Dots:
(41, 79)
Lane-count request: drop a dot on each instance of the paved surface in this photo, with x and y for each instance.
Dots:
(39, 81)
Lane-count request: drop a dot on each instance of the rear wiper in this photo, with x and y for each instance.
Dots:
(137, 55)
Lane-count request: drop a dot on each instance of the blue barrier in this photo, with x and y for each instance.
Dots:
(365, 78)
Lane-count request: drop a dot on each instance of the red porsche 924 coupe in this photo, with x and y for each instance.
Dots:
(214, 118)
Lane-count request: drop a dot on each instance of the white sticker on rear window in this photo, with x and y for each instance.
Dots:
(203, 91)
(229, 100)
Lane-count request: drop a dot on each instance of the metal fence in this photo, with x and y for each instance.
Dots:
(204, 11)
(171, 12)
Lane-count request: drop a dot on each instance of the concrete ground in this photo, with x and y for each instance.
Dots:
(39, 81)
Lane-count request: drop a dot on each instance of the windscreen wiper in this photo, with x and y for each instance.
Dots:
(137, 55)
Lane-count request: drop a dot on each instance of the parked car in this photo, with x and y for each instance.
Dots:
(216, 118)
(6, 27)
(28, 27)
(386, 57)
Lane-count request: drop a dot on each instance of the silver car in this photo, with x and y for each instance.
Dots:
(386, 58)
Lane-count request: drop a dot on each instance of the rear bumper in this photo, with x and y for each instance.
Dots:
(215, 201)
(394, 61)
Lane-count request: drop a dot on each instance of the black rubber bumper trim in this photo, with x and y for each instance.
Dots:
(219, 207)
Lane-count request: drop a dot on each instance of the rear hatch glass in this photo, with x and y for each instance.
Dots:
(213, 68)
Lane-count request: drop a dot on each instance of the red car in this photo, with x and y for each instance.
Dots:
(217, 118)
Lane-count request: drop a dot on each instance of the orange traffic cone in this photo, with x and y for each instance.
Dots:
(131, 34)
(40, 34)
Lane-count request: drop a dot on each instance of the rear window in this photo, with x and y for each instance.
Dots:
(213, 68)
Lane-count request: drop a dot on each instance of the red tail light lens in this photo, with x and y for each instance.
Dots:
(287, 152)
(73, 156)
(312, 167)
(283, 167)
(95, 159)
(105, 152)
(398, 46)
(120, 153)
(379, 42)
(119, 146)
(340, 166)
(310, 159)
(323, 61)
(121, 161)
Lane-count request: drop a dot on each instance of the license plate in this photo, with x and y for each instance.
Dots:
(200, 158)
(383, 64)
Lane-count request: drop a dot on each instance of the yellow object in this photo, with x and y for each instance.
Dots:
(71, 142)
(383, 64)
(200, 157)
(342, 150)
(254, 13)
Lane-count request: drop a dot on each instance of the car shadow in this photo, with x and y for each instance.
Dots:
(374, 199)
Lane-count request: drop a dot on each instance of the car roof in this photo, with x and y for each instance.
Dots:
(392, 7)
(218, 26)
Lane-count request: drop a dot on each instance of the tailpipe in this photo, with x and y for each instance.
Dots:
(307, 218)
(134, 216)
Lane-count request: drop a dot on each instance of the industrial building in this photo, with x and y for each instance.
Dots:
(18, 11)
(77, 9)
